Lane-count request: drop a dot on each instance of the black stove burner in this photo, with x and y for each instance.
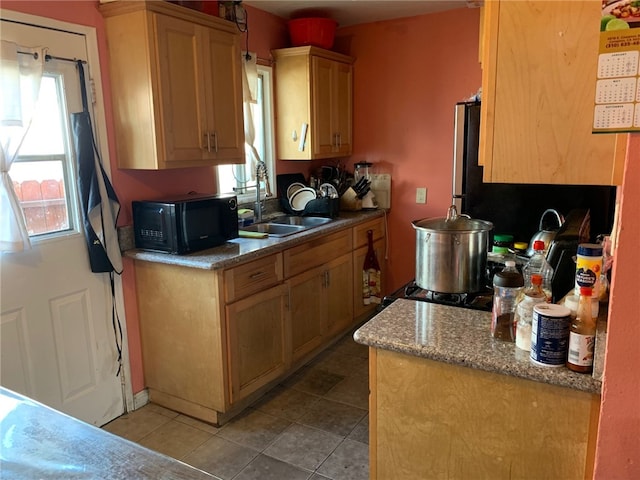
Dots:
(482, 300)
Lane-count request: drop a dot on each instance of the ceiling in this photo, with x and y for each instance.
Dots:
(353, 12)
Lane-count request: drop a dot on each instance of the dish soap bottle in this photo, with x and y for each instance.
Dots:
(582, 335)
(370, 274)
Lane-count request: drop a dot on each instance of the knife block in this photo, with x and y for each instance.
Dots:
(349, 201)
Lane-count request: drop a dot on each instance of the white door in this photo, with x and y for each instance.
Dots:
(58, 341)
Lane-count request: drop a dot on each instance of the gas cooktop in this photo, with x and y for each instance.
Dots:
(411, 291)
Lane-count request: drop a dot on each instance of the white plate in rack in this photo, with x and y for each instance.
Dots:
(300, 198)
(293, 188)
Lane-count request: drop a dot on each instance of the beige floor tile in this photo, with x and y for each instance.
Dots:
(136, 425)
(350, 461)
(152, 407)
(314, 380)
(221, 457)
(342, 364)
(352, 391)
(254, 429)
(333, 417)
(349, 346)
(361, 432)
(268, 468)
(304, 447)
(205, 427)
(286, 403)
(175, 439)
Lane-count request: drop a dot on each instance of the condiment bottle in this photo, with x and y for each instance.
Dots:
(538, 264)
(588, 267)
(582, 335)
(524, 311)
(507, 286)
(370, 274)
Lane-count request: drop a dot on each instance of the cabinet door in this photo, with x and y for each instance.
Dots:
(338, 288)
(182, 116)
(257, 341)
(323, 133)
(306, 311)
(360, 310)
(538, 84)
(343, 108)
(224, 97)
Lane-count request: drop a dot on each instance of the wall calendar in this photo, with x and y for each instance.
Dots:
(617, 99)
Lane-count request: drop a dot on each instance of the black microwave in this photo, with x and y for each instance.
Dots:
(185, 224)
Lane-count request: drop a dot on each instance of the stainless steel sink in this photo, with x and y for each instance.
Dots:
(286, 225)
(274, 229)
(308, 222)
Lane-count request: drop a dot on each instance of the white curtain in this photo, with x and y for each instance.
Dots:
(249, 88)
(20, 77)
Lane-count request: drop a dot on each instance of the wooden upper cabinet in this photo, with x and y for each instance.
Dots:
(177, 89)
(314, 87)
(539, 61)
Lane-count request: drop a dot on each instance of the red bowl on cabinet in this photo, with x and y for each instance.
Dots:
(315, 31)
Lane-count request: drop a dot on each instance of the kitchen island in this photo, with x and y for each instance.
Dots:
(449, 401)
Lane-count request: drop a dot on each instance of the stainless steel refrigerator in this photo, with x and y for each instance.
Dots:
(516, 208)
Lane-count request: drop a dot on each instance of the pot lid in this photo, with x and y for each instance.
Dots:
(453, 223)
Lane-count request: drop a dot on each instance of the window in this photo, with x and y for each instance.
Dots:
(43, 174)
(241, 179)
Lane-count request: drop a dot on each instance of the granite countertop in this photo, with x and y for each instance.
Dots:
(459, 336)
(240, 250)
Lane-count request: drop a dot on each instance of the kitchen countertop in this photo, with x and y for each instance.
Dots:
(459, 336)
(40, 442)
(240, 250)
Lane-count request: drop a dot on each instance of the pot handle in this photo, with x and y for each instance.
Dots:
(558, 215)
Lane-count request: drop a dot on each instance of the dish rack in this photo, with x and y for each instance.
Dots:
(320, 207)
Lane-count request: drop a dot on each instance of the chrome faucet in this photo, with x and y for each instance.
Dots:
(261, 173)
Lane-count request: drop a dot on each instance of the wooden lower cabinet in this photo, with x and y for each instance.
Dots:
(320, 305)
(430, 419)
(213, 341)
(257, 341)
(338, 296)
(305, 310)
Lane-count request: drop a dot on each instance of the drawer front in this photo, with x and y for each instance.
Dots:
(252, 277)
(316, 252)
(360, 232)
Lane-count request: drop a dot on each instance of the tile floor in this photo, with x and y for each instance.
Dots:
(312, 426)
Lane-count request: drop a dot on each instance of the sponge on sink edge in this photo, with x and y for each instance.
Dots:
(245, 234)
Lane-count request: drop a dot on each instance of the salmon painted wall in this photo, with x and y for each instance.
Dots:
(408, 75)
(618, 447)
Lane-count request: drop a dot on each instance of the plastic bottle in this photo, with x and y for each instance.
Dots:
(588, 267)
(370, 274)
(582, 335)
(538, 264)
(524, 312)
(507, 287)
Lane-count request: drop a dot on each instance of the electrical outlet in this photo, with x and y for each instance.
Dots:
(421, 195)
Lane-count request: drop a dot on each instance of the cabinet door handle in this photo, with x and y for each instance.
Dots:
(327, 279)
(208, 140)
(339, 140)
(215, 141)
(255, 275)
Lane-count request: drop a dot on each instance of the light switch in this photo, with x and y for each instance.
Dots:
(421, 195)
